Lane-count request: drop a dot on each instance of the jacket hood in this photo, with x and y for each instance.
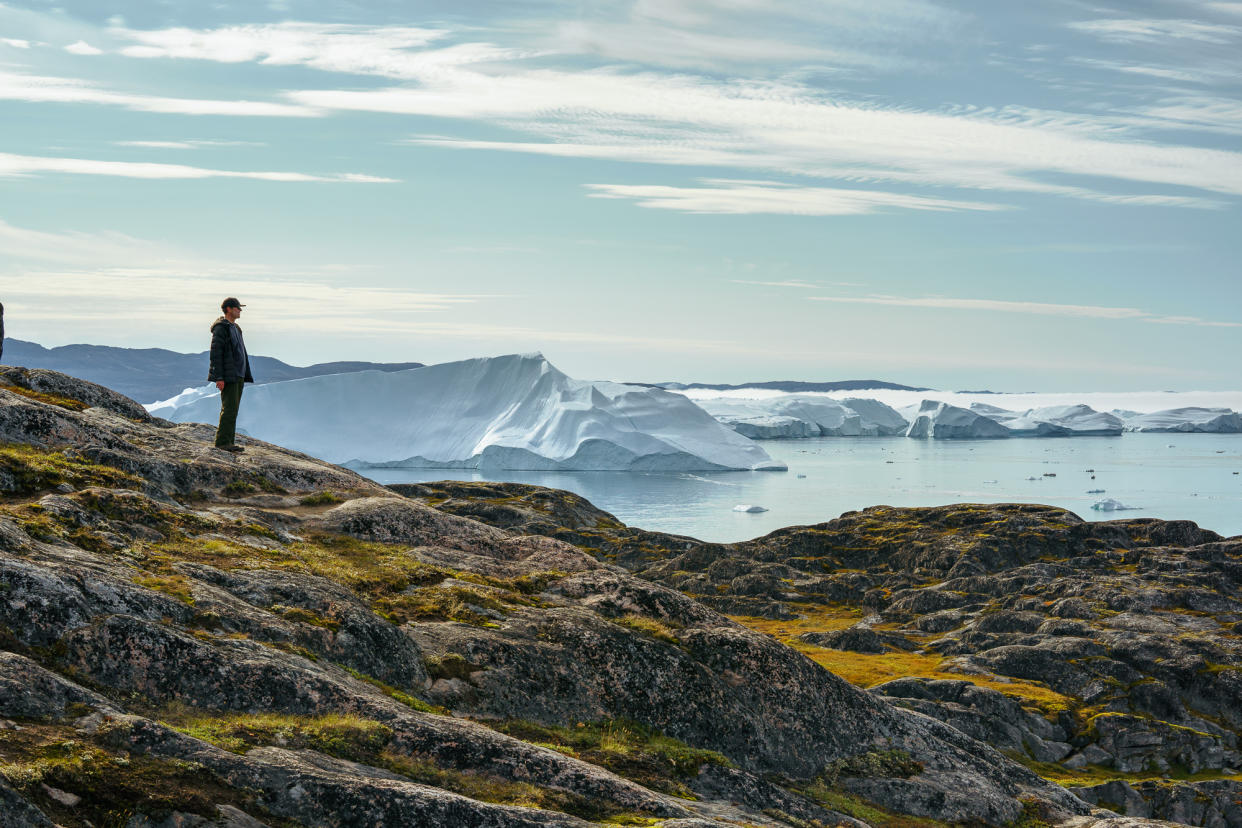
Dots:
(220, 321)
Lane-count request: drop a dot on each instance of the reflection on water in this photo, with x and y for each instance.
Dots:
(1170, 476)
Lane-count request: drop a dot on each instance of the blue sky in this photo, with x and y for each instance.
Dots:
(962, 195)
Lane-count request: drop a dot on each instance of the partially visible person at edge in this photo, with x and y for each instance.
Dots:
(230, 371)
(1, 330)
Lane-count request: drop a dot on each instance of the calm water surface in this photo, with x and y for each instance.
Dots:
(1170, 476)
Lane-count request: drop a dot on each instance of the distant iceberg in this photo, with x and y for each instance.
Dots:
(1202, 420)
(794, 415)
(514, 412)
(1110, 505)
(1054, 421)
(941, 421)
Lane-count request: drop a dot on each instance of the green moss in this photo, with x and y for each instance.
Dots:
(395, 694)
(358, 739)
(37, 470)
(652, 627)
(624, 747)
(249, 484)
(887, 764)
(175, 585)
(113, 786)
(859, 808)
(304, 616)
(343, 735)
(44, 397)
(324, 498)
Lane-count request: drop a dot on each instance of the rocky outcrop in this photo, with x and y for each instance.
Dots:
(1103, 648)
(263, 638)
(1214, 802)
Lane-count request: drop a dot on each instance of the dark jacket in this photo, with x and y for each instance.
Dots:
(229, 361)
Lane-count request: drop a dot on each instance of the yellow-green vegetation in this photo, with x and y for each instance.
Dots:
(653, 627)
(395, 694)
(1097, 774)
(324, 498)
(175, 585)
(251, 483)
(891, 764)
(45, 397)
(397, 585)
(456, 602)
(450, 666)
(869, 669)
(35, 470)
(811, 618)
(305, 616)
(626, 748)
(358, 739)
(113, 786)
(859, 808)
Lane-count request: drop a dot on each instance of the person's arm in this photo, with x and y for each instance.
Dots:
(219, 342)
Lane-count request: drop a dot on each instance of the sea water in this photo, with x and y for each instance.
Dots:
(1170, 476)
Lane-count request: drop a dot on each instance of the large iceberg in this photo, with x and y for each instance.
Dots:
(1207, 420)
(941, 421)
(1053, 421)
(804, 416)
(508, 412)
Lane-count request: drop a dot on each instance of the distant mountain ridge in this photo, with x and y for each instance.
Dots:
(794, 386)
(154, 374)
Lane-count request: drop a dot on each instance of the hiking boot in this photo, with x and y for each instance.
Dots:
(236, 449)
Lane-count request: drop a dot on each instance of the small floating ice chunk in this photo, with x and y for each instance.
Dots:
(745, 508)
(801, 476)
(1095, 491)
(991, 481)
(1110, 505)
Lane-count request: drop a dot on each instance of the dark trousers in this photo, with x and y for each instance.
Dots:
(230, 400)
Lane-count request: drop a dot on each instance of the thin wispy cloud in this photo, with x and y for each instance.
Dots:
(1033, 308)
(651, 117)
(191, 144)
(1126, 30)
(747, 197)
(21, 165)
(23, 243)
(385, 51)
(788, 283)
(177, 300)
(16, 86)
(15, 42)
(1162, 72)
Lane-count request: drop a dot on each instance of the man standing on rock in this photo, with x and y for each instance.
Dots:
(230, 370)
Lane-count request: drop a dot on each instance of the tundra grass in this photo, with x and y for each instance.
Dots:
(40, 760)
(358, 739)
(33, 470)
(626, 748)
(868, 669)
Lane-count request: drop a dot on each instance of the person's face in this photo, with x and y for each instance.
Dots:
(231, 313)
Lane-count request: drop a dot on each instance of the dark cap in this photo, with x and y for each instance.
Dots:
(231, 302)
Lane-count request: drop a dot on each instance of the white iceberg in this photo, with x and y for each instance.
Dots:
(751, 509)
(514, 412)
(1053, 421)
(941, 421)
(1192, 419)
(1110, 505)
(794, 415)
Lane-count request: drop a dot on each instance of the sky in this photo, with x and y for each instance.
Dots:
(1011, 196)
